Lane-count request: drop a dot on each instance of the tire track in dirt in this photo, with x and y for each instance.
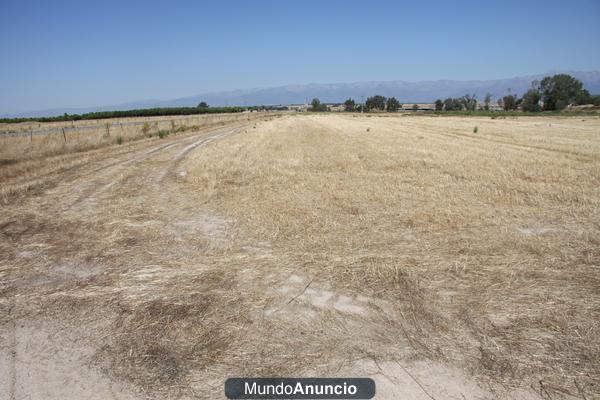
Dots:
(179, 157)
(109, 172)
(109, 178)
(12, 348)
(47, 173)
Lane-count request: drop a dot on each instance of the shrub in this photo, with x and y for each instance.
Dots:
(163, 133)
(119, 140)
(146, 128)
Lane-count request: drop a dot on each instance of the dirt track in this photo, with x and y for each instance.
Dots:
(58, 245)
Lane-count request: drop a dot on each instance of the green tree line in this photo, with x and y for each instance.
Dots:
(553, 93)
(145, 112)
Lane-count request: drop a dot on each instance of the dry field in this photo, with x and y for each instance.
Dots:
(444, 263)
(32, 140)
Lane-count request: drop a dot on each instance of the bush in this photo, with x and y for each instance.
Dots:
(146, 129)
(163, 133)
(119, 140)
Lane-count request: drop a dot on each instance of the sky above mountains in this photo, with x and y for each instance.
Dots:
(86, 54)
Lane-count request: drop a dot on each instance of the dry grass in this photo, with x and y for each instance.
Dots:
(306, 245)
(487, 245)
(91, 134)
(27, 165)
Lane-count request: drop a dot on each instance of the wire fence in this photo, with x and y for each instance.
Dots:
(45, 128)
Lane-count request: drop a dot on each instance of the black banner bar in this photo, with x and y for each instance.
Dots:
(300, 388)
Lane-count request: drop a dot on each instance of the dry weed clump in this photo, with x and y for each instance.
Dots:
(157, 343)
(487, 244)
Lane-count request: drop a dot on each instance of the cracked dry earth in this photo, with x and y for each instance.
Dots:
(117, 283)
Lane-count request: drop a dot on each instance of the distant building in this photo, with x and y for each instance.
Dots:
(336, 107)
(298, 107)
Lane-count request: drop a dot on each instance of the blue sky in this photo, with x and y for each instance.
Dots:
(91, 53)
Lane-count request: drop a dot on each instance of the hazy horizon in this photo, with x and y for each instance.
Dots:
(139, 51)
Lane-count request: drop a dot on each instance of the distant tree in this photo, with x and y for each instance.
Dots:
(451, 104)
(439, 105)
(203, 104)
(531, 100)
(392, 104)
(486, 101)
(560, 90)
(317, 106)
(415, 107)
(349, 105)
(469, 102)
(376, 102)
(584, 97)
(509, 102)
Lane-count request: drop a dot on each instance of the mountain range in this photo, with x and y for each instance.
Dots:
(407, 92)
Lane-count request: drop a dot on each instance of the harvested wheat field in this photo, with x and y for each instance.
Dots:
(443, 261)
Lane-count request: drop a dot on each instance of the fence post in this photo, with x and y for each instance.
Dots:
(31, 135)
(107, 130)
(64, 135)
